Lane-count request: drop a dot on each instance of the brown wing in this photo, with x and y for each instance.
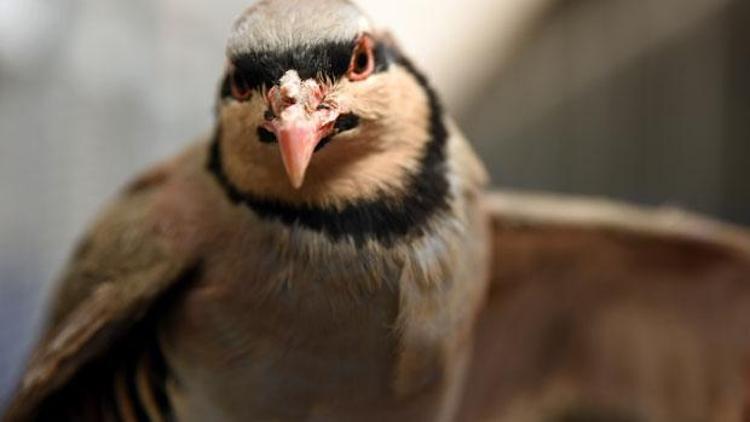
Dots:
(602, 312)
(120, 270)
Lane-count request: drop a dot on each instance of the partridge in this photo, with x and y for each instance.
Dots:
(328, 253)
(321, 256)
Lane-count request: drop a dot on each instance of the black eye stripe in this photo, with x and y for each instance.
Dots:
(343, 123)
(266, 136)
(346, 122)
(328, 60)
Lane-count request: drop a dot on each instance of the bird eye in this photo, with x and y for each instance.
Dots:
(239, 86)
(363, 60)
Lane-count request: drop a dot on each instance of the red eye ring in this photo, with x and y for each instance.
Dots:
(362, 64)
(238, 85)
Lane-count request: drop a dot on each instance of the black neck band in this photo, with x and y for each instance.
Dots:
(386, 218)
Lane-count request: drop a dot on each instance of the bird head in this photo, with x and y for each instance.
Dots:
(318, 107)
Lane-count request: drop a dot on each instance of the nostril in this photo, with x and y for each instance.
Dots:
(289, 93)
(266, 136)
(346, 122)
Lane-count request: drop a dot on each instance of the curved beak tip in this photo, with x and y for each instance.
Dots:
(297, 146)
(297, 179)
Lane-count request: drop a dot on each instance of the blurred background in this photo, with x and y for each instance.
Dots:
(640, 100)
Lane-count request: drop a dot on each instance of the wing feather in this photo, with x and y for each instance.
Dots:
(602, 311)
(122, 267)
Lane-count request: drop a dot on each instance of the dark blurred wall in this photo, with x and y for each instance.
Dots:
(736, 182)
(638, 100)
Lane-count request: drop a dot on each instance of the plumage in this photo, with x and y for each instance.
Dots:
(604, 312)
(346, 291)
(326, 254)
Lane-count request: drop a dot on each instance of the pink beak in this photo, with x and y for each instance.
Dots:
(298, 137)
(299, 125)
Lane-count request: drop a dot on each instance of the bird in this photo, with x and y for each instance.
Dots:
(321, 255)
(331, 252)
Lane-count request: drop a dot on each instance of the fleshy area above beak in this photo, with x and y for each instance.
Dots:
(299, 123)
